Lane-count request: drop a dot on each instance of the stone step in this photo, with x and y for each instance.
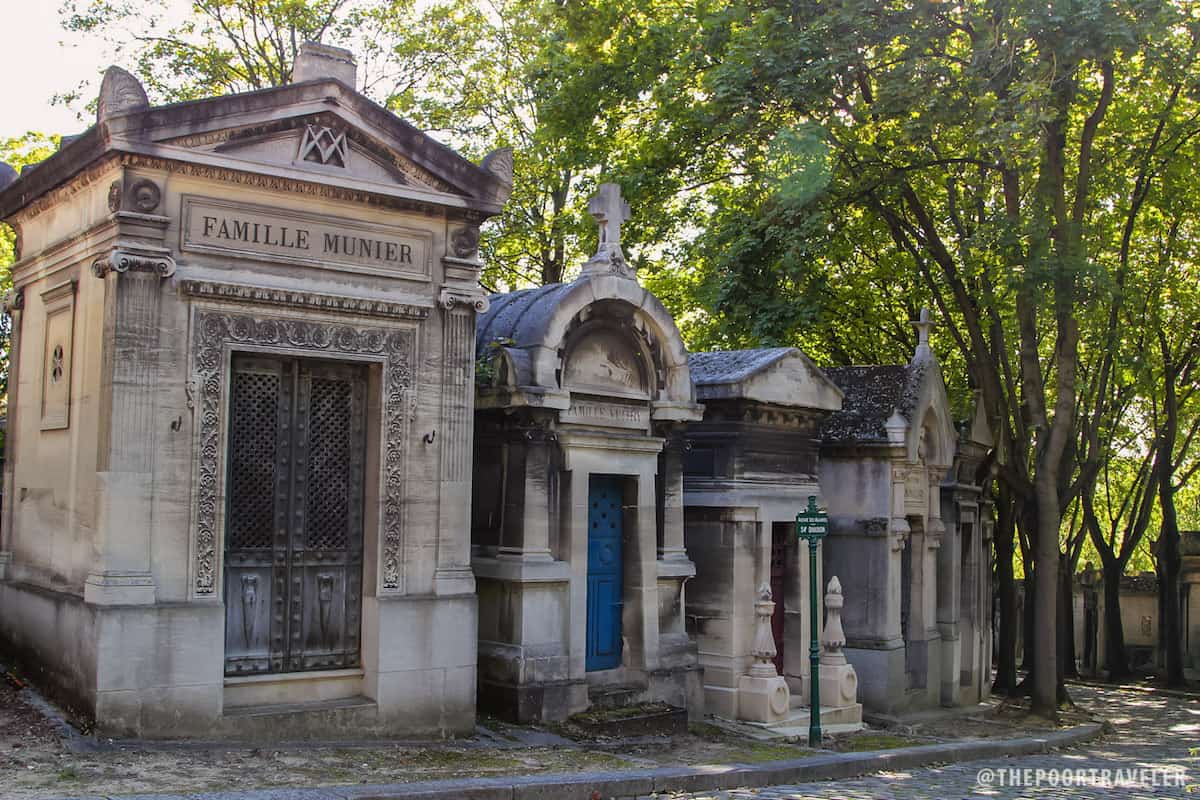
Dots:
(608, 697)
(299, 708)
(325, 719)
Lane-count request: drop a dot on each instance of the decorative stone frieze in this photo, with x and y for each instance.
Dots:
(318, 301)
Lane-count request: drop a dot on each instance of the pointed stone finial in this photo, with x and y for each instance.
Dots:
(610, 211)
(833, 637)
(923, 325)
(763, 647)
(7, 175)
(120, 93)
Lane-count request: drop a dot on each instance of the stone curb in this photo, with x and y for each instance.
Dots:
(636, 783)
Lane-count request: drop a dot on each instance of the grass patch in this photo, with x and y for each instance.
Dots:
(861, 743)
(69, 773)
(706, 730)
(760, 752)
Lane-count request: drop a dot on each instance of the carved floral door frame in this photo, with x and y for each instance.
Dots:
(216, 333)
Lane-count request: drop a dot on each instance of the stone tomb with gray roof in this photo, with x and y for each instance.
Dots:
(239, 446)
(751, 465)
(578, 549)
(909, 533)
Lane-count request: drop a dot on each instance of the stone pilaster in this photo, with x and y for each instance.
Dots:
(14, 303)
(121, 574)
(671, 547)
(461, 299)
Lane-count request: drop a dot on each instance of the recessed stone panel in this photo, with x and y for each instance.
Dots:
(292, 237)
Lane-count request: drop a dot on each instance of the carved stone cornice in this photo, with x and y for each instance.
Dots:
(259, 295)
(14, 300)
(122, 261)
(462, 296)
(280, 183)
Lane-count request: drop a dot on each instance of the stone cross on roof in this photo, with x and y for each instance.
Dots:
(923, 325)
(609, 210)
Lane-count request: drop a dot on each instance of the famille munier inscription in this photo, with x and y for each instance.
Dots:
(329, 241)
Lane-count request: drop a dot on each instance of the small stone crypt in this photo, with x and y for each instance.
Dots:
(751, 465)
(236, 492)
(909, 533)
(584, 391)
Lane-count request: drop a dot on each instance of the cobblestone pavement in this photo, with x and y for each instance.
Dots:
(1147, 755)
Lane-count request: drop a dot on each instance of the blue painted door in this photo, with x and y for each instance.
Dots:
(604, 573)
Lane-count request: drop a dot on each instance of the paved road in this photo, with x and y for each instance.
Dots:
(1149, 753)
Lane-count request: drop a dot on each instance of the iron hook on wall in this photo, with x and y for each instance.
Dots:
(429, 437)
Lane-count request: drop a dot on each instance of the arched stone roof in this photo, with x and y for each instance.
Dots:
(528, 329)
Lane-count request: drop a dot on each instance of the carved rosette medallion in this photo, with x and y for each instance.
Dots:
(464, 241)
(144, 195)
(214, 332)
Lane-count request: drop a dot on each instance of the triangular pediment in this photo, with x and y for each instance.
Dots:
(316, 132)
(323, 145)
(778, 376)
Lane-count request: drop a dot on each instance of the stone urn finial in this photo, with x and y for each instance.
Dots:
(764, 641)
(833, 638)
(763, 694)
(839, 681)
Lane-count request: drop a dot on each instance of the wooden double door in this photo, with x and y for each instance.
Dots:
(294, 515)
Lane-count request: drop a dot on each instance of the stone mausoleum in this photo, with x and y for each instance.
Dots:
(236, 498)
(577, 520)
(276, 466)
(910, 531)
(751, 465)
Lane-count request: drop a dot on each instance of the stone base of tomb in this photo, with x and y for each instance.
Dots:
(679, 686)
(885, 682)
(157, 671)
(542, 702)
(763, 699)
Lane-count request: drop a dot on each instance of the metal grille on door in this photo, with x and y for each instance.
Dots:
(293, 560)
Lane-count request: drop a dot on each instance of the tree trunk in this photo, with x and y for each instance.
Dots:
(1115, 662)
(1028, 613)
(1045, 654)
(1006, 589)
(1066, 623)
(1171, 630)
(1171, 627)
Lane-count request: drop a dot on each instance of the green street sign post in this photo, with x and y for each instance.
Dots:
(811, 525)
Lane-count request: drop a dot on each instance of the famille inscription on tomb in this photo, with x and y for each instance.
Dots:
(606, 414)
(260, 232)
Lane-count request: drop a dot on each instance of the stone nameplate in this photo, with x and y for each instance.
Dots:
(294, 237)
(611, 415)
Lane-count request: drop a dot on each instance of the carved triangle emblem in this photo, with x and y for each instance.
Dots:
(323, 145)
